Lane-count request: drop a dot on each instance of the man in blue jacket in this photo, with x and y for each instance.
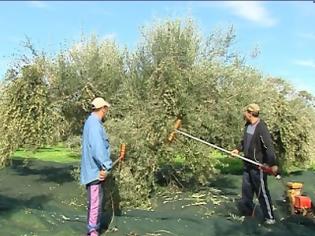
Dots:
(257, 146)
(95, 163)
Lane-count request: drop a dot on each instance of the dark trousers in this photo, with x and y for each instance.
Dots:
(255, 182)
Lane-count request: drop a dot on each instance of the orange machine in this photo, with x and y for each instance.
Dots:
(299, 204)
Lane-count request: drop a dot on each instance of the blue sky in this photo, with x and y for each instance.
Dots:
(283, 31)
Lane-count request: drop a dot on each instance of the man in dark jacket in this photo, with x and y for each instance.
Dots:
(256, 145)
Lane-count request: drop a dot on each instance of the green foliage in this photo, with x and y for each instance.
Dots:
(89, 69)
(28, 115)
(174, 73)
(291, 118)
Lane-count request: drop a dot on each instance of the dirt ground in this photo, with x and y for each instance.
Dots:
(42, 198)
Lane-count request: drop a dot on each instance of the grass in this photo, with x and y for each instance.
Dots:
(224, 163)
(227, 164)
(58, 154)
(293, 169)
(312, 167)
(61, 154)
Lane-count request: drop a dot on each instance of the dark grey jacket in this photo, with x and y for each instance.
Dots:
(260, 148)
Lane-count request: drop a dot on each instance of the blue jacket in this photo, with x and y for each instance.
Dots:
(95, 150)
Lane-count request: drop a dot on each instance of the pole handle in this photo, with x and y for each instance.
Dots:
(219, 148)
(122, 154)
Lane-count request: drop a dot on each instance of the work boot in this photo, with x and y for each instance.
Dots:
(270, 221)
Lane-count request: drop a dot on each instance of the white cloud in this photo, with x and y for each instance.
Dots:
(302, 83)
(310, 36)
(110, 36)
(38, 4)
(252, 11)
(305, 63)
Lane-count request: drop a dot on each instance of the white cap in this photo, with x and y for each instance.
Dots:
(253, 107)
(99, 102)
